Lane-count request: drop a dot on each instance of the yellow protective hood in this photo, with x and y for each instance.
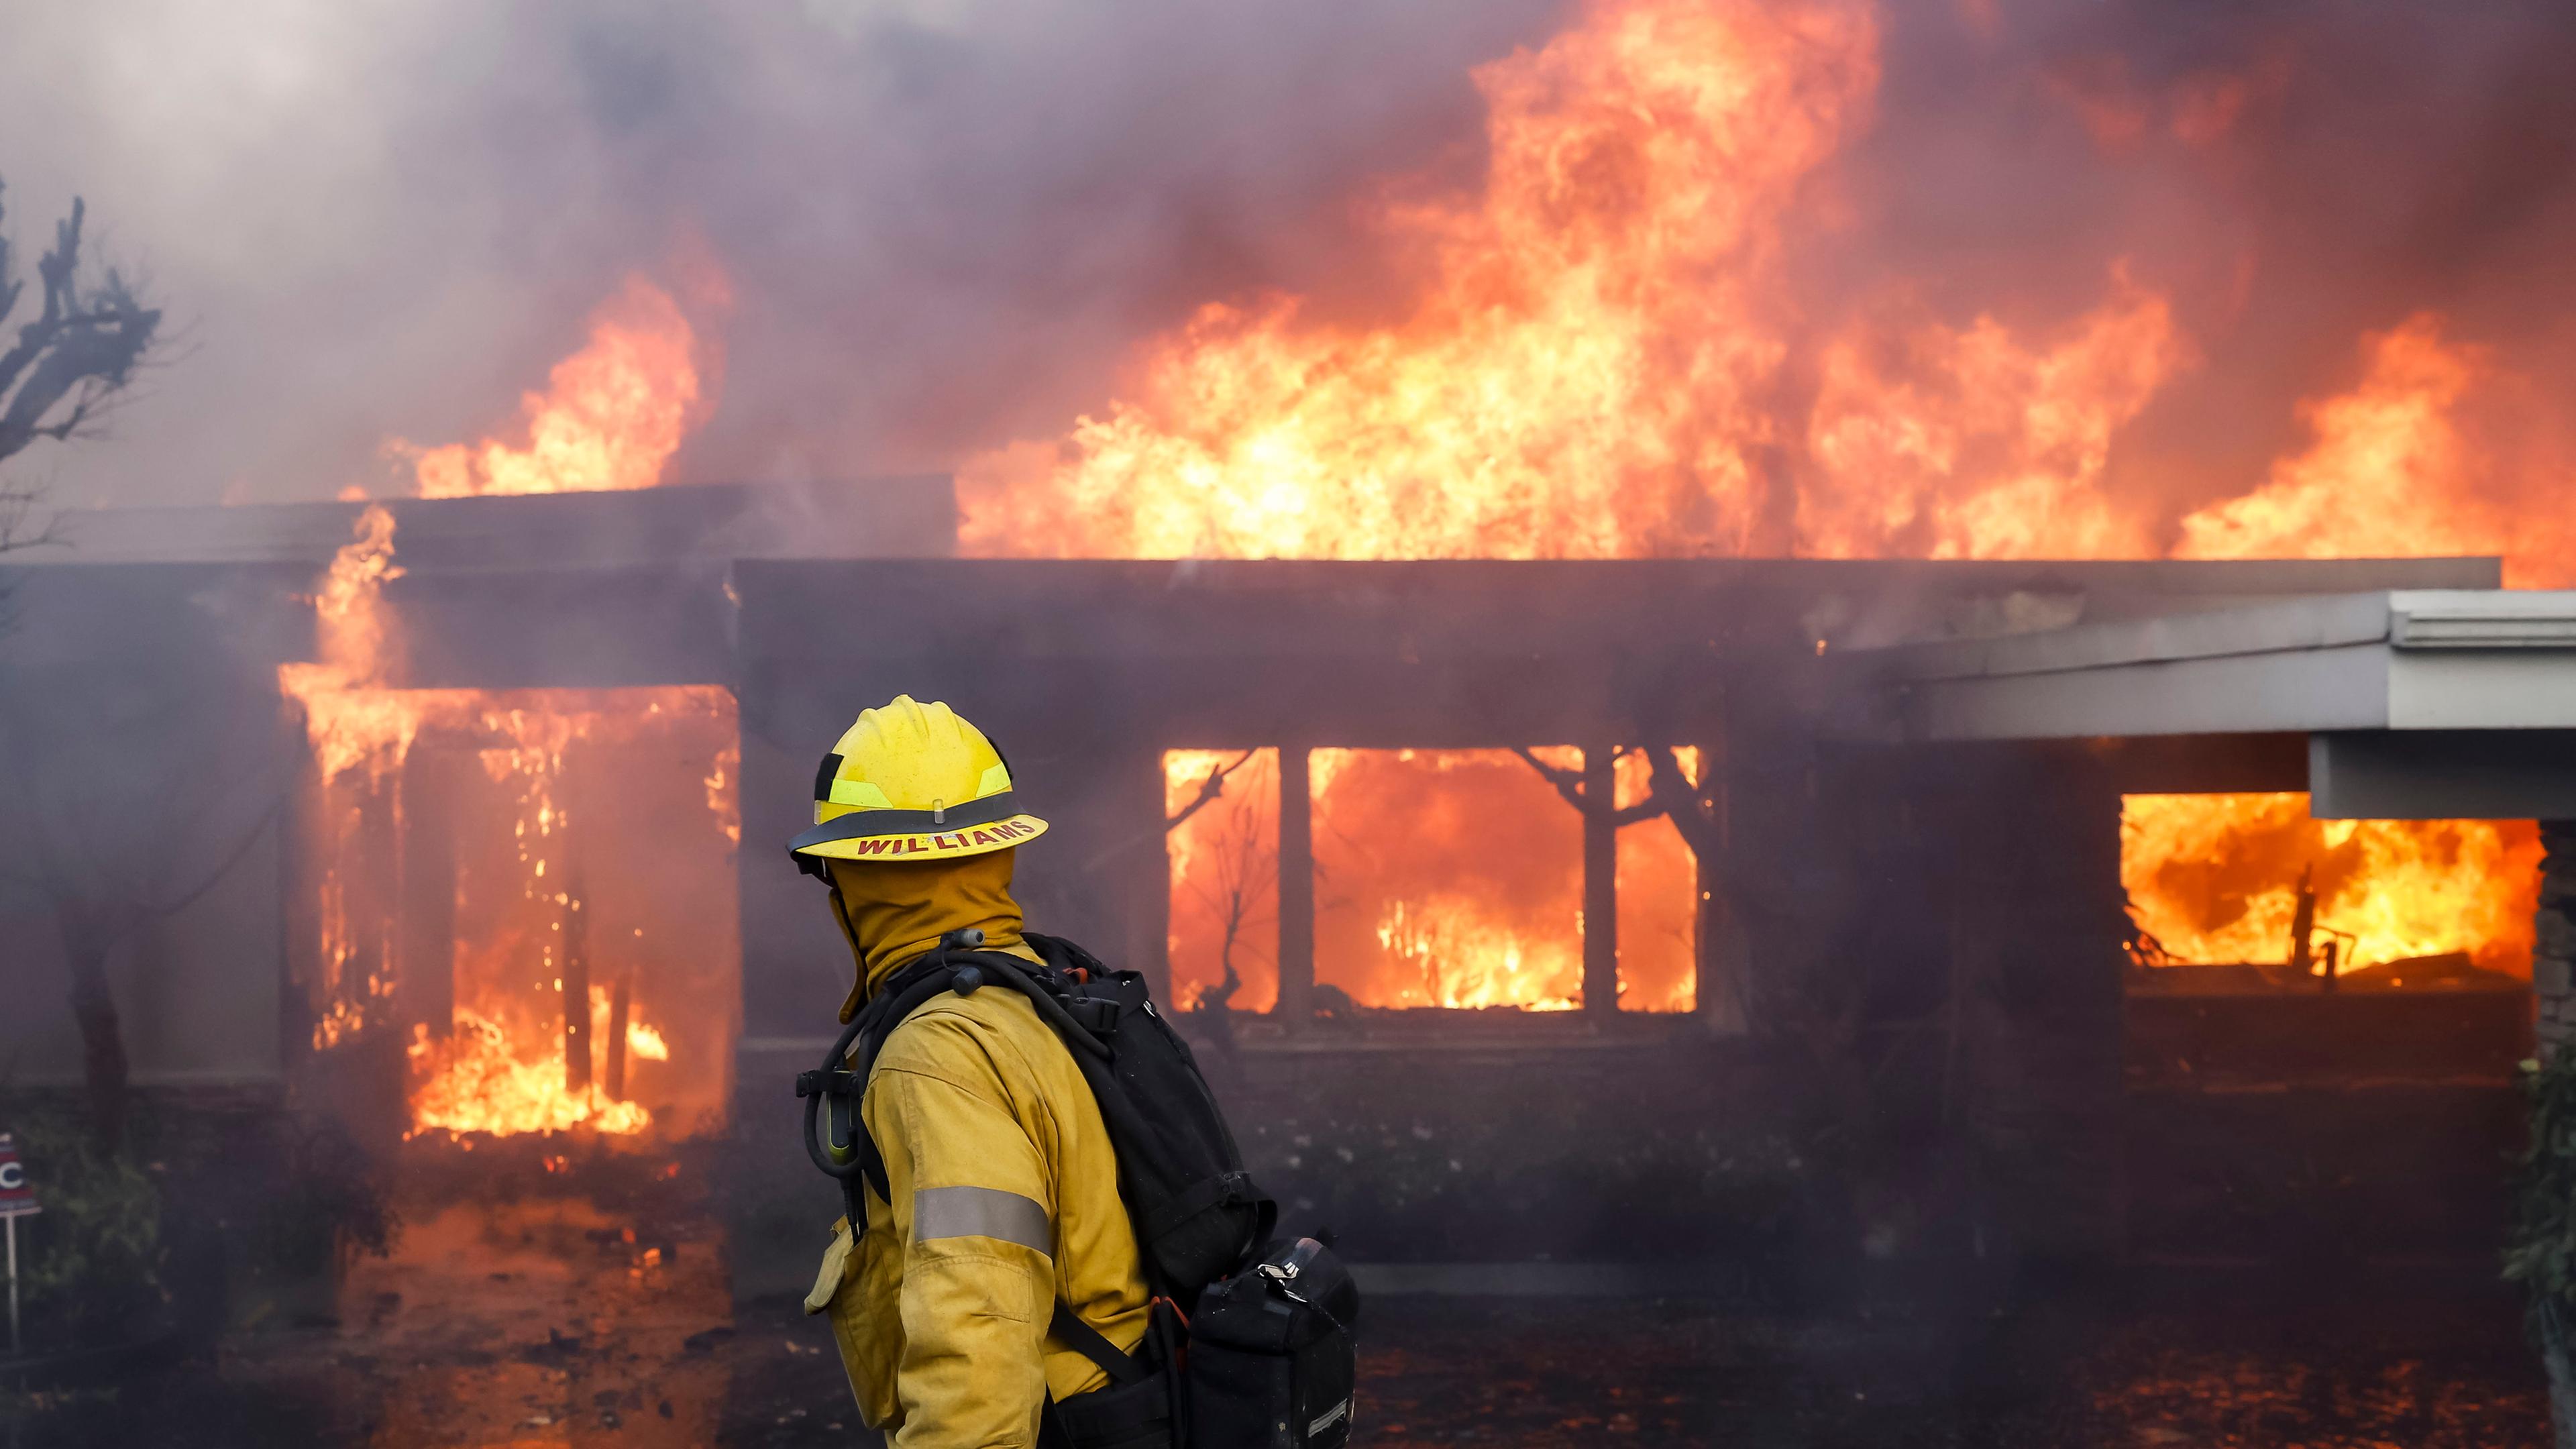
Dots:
(898, 912)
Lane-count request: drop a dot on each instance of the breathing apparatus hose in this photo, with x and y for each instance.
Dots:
(838, 1155)
(838, 1160)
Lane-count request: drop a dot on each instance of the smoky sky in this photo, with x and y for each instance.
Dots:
(948, 222)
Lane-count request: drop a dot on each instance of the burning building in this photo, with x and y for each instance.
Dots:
(1609, 762)
(1545, 911)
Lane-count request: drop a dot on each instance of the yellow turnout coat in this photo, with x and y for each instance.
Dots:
(1004, 1188)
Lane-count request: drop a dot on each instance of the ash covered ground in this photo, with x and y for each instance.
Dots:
(589, 1305)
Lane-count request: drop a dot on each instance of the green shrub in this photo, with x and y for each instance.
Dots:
(2541, 1252)
(328, 1199)
(90, 1265)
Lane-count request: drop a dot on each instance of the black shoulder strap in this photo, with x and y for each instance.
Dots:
(906, 992)
(1082, 1338)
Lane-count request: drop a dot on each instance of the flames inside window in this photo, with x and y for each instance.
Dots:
(1446, 878)
(1225, 877)
(2227, 879)
(1442, 878)
(533, 893)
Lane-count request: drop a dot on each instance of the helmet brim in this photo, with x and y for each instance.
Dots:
(853, 837)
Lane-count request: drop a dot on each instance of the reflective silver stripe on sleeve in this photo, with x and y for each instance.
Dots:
(980, 1212)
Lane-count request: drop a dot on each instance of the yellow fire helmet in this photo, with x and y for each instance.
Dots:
(911, 782)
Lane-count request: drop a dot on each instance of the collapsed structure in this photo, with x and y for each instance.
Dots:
(1540, 912)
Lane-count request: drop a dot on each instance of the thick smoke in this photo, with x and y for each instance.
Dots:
(943, 219)
(2293, 175)
(948, 225)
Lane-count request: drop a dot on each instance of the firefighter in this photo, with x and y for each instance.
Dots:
(1002, 1187)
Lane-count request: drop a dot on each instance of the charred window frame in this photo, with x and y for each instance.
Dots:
(1228, 915)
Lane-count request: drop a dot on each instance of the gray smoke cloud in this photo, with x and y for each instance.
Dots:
(947, 222)
(941, 217)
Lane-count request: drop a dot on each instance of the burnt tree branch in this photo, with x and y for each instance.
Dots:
(80, 349)
(1209, 789)
(1674, 796)
(1569, 785)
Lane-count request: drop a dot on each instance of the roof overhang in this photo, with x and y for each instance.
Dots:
(2417, 703)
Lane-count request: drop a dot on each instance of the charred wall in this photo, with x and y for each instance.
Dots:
(1928, 946)
(1922, 1040)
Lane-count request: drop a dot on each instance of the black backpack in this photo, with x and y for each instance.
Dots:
(1249, 1342)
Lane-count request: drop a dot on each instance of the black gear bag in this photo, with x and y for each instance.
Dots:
(1251, 1342)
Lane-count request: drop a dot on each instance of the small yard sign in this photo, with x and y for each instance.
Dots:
(17, 1200)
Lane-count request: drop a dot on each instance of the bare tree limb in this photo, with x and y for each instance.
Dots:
(1209, 790)
(77, 353)
(190, 895)
(1680, 800)
(1569, 784)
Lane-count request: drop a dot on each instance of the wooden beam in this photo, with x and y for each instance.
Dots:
(1296, 886)
(425, 950)
(1600, 880)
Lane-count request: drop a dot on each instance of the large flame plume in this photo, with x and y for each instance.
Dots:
(2395, 469)
(1933, 442)
(1586, 375)
(1601, 363)
(1605, 361)
(611, 416)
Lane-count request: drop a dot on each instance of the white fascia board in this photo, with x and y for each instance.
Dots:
(2494, 687)
(2323, 622)
(2482, 619)
(2340, 688)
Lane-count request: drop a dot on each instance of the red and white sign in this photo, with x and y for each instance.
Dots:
(17, 1195)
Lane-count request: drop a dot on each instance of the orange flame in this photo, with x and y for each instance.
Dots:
(1448, 878)
(612, 414)
(360, 642)
(646, 1043)
(1586, 375)
(501, 1067)
(1971, 444)
(479, 1081)
(1600, 365)
(1600, 362)
(2393, 472)
(2214, 878)
(1224, 866)
(351, 731)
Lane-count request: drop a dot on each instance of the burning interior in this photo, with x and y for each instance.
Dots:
(1442, 879)
(2250, 881)
(1604, 735)
(530, 892)
(525, 889)
(1359, 822)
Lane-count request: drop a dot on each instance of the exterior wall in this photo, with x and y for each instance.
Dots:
(1950, 1084)
(2553, 957)
(137, 736)
(2027, 842)
(197, 993)
(1648, 1144)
